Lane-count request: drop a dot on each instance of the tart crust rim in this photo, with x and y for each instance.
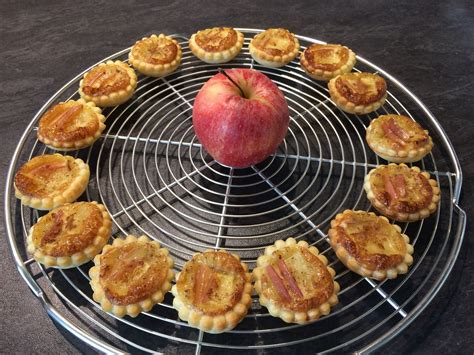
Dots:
(325, 75)
(114, 98)
(394, 156)
(352, 264)
(216, 57)
(156, 70)
(350, 107)
(290, 316)
(402, 216)
(220, 323)
(66, 262)
(132, 309)
(77, 144)
(270, 60)
(76, 188)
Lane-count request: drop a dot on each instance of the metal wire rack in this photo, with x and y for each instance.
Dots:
(155, 179)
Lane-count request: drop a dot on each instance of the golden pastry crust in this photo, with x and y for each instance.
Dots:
(326, 61)
(294, 282)
(398, 139)
(70, 235)
(108, 84)
(212, 292)
(71, 125)
(216, 45)
(369, 245)
(402, 193)
(48, 181)
(131, 276)
(156, 55)
(274, 47)
(358, 93)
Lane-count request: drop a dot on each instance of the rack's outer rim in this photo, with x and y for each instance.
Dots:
(107, 348)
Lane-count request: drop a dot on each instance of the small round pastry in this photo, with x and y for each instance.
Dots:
(358, 93)
(326, 61)
(216, 45)
(70, 235)
(51, 180)
(294, 282)
(274, 47)
(131, 276)
(156, 55)
(369, 245)
(212, 292)
(398, 139)
(108, 84)
(71, 125)
(402, 193)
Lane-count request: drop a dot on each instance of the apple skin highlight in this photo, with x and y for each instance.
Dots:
(240, 131)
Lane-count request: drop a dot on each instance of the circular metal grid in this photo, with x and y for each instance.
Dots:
(155, 179)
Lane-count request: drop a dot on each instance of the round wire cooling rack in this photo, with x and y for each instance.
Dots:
(155, 179)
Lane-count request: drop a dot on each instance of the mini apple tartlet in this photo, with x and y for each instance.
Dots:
(326, 61)
(398, 139)
(212, 292)
(51, 180)
(369, 245)
(274, 47)
(156, 55)
(70, 235)
(402, 193)
(131, 276)
(216, 45)
(358, 93)
(71, 125)
(294, 282)
(108, 84)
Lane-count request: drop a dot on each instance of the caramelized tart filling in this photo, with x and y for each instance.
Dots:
(69, 121)
(212, 282)
(132, 272)
(275, 42)
(297, 279)
(326, 57)
(105, 79)
(68, 229)
(400, 188)
(398, 132)
(361, 88)
(155, 50)
(371, 240)
(216, 39)
(45, 175)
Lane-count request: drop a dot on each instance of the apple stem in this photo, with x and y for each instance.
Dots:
(222, 71)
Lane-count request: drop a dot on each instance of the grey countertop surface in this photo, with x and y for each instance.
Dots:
(428, 45)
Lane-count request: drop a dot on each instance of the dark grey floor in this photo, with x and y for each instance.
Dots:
(428, 45)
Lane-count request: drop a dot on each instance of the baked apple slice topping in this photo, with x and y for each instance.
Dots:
(46, 169)
(395, 132)
(204, 283)
(156, 50)
(289, 278)
(361, 88)
(278, 284)
(275, 41)
(104, 80)
(286, 279)
(216, 39)
(61, 115)
(395, 186)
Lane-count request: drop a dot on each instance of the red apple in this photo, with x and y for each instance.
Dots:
(242, 121)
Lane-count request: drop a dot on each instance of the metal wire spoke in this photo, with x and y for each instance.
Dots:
(155, 178)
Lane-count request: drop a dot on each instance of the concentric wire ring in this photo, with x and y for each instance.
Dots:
(156, 179)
